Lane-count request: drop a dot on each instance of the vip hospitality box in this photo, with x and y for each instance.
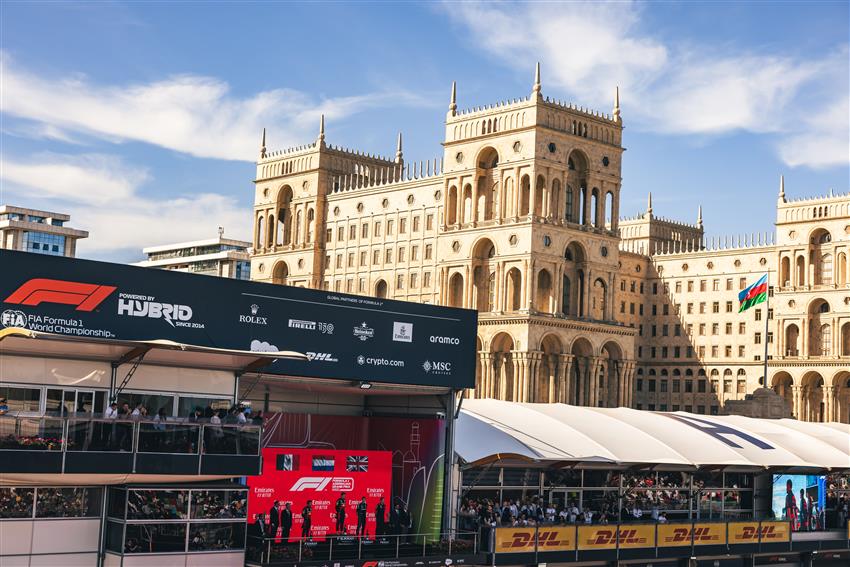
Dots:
(343, 336)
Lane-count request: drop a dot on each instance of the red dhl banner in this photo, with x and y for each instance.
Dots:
(753, 532)
(681, 535)
(522, 540)
(606, 537)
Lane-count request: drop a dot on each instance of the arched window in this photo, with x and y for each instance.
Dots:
(599, 299)
(825, 339)
(568, 212)
(514, 289)
(451, 213)
(260, 232)
(565, 297)
(271, 232)
(311, 215)
(544, 291)
(525, 196)
(381, 289)
(456, 290)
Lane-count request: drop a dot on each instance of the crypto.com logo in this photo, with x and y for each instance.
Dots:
(85, 296)
(319, 483)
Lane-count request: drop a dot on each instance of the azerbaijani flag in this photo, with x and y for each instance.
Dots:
(753, 295)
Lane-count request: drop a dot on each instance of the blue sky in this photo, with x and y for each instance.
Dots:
(142, 119)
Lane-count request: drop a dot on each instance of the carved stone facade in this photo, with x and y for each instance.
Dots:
(518, 219)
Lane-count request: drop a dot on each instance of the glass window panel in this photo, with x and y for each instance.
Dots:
(216, 537)
(707, 479)
(162, 437)
(219, 503)
(599, 502)
(521, 477)
(16, 502)
(116, 502)
(674, 479)
(231, 440)
(155, 538)
(488, 476)
(601, 478)
(564, 477)
(103, 435)
(157, 504)
(31, 434)
(737, 480)
(21, 399)
(115, 537)
(186, 405)
(68, 502)
(152, 402)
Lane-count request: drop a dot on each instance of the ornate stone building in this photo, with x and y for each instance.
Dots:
(519, 219)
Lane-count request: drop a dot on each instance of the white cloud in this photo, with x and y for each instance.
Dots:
(187, 113)
(103, 195)
(588, 48)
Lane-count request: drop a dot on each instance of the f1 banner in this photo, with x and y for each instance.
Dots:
(296, 476)
(542, 539)
(343, 336)
(683, 535)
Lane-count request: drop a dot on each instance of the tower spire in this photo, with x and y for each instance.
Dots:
(616, 112)
(398, 153)
(536, 90)
(782, 188)
(699, 216)
(649, 204)
(321, 138)
(263, 145)
(453, 101)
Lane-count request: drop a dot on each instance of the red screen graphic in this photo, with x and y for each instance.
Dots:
(298, 475)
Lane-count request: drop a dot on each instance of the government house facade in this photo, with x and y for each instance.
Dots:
(519, 219)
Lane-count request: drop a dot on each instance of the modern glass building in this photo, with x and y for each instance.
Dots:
(220, 256)
(41, 232)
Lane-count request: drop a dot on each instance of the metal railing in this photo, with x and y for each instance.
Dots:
(266, 550)
(93, 434)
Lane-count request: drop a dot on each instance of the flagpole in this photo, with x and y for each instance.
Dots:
(766, 329)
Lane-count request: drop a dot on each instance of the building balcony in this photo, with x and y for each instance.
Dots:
(88, 445)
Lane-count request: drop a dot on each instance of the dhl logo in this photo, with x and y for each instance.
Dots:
(766, 532)
(609, 537)
(545, 538)
(698, 535)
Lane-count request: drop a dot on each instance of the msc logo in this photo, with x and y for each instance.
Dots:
(85, 296)
(13, 318)
(437, 367)
(318, 483)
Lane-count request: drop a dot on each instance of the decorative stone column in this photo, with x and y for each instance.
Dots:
(828, 403)
(565, 378)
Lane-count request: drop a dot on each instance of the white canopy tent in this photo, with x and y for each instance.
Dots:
(558, 434)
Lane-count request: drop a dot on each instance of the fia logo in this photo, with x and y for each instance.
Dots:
(14, 318)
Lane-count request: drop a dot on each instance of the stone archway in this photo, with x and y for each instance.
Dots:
(812, 396)
(612, 376)
(783, 384)
(549, 371)
(500, 375)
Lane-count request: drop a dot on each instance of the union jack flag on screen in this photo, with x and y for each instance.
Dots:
(356, 463)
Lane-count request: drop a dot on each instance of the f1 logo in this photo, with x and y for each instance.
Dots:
(310, 483)
(42, 290)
